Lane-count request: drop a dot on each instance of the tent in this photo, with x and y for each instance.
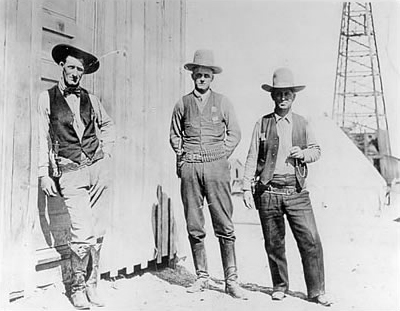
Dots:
(343, 178)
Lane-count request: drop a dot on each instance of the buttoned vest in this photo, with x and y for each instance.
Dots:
(203, 130)
(62, 130)
(269, 144)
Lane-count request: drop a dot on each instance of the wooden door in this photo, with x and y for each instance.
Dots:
(70, 22)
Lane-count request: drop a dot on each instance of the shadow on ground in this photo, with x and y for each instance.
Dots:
(182, 277)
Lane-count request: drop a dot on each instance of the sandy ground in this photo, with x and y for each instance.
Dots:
(361, 266)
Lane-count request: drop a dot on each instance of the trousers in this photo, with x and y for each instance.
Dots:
(210, 181)
(272, 208)
(87, 203)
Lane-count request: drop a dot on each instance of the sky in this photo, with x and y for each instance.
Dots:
(250, 39)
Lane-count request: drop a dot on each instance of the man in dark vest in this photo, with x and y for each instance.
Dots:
(276, 168)
(76, 137)
(204, 133)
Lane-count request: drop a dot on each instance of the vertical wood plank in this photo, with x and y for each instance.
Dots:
(165, 225)
(171, 231)
(5, 153)
(19, 96)
(159, 225)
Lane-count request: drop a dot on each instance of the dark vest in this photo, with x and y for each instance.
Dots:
(203, 130)
(62, 130)
(268, 148)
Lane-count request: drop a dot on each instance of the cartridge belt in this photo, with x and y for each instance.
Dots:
(204, 156)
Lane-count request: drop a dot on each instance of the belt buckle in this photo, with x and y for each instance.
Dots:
(198, 157)
(191, 157)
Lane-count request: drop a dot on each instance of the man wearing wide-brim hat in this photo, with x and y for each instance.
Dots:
(204, 133)
(76, 138)
(274, 182)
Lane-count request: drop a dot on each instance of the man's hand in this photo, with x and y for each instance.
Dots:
(296, 153)
(48, 186)
(248, 199)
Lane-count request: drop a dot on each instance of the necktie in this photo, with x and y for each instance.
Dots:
(72, 90)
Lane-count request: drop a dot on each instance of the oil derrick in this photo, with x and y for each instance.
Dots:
(359, 105)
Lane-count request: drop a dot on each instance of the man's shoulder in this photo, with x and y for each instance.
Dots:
(267, 116)
(221, 98)
(188, 95)
(299, 117)
(51, 89)
(217, 94)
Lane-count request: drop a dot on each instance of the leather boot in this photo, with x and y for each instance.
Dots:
(93, 276)
(200, 265)
(78, 287)
(228, 255)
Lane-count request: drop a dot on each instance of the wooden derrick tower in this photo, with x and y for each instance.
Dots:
(359, 104)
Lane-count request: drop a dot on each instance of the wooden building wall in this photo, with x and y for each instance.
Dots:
(141, 49)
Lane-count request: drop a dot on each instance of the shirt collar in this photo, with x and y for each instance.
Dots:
(288, 117)
(62, 86)
(204, 96)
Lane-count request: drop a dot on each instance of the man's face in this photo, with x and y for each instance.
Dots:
(72, 71)
(202, 78)
(283, 98)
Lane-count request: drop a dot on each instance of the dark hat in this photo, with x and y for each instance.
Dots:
(203, 58)
(61, 51)
(282, 79)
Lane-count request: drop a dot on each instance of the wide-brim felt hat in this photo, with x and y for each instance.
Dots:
(282, 79)
(203, 58)
(61, 51)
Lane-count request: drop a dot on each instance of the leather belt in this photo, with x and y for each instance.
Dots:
(204, 156)
(73, 166)
(285, 190)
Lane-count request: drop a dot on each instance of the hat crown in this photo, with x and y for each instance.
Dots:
(283, 77)
(203, 57)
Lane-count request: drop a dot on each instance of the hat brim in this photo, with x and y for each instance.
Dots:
(192, 66)
(90, 62)
(295, 88)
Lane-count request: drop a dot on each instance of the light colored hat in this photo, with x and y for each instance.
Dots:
(61, 51)
(203, 58)
(282, 79)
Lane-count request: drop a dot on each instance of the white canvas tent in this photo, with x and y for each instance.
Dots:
(343, 178)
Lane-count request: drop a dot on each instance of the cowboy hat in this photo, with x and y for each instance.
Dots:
(61, 51)
(282, 79)
(203, 58)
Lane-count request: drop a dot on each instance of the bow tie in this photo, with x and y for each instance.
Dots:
(72, 90)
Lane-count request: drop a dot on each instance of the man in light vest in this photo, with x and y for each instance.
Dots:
(76, 138)
(204, 133)
(275, 171)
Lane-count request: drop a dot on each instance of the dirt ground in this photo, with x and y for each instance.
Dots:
(361, 253)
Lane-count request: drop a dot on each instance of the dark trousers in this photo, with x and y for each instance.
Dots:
(299, 214)
(210, 181)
